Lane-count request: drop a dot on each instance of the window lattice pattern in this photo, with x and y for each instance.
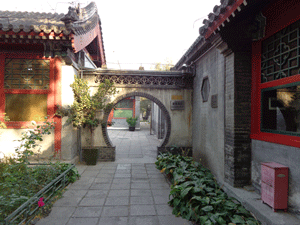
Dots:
(281, 54)
(26, 74)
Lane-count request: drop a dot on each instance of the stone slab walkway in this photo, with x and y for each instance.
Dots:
(115, 194)
(138, 146)
(130, 191)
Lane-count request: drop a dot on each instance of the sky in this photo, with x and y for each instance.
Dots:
(137, 32)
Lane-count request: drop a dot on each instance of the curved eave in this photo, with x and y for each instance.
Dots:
(216, 20)
(87, 29)
(221, 18)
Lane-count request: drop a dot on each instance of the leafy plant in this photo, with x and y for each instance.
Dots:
(3, 119)
(83, 111)
(196, 194)
(19, 182)
(131, 121)
(30, 138)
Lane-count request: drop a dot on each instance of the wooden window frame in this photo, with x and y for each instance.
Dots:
(50, 92)
(274, 24)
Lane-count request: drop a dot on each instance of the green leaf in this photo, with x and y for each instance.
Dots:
(198, 198)
(203, 219)
(230, 205)
(250, 222)
(207, 208)
(242, 210)
(185, 192)
(237, 219)
(208, 222)
(221, 221)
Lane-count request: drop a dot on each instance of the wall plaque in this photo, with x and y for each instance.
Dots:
(214, 101)
(177, 104)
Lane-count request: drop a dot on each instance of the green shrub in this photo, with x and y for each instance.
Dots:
(19, 182)
(196, 194)
(132, 121)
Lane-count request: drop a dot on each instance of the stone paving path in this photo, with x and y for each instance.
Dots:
(138, 146)
(130, 191)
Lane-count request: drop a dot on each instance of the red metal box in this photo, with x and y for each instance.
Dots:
(274, 185)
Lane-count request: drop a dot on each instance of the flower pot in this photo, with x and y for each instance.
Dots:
(131, 128)
(90, 155)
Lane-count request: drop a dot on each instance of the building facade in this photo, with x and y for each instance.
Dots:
(245, 65)
(40, 53)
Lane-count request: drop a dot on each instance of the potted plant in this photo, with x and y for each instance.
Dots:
(131, 122)
(83, 112)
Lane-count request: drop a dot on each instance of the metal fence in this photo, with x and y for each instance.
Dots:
(27, 211)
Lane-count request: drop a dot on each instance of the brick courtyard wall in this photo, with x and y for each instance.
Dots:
(238, 118)
(208, 120)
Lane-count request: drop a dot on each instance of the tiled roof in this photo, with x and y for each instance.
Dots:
(48, 22)
(215, 20)
(32, 21)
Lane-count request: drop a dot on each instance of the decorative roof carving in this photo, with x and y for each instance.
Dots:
(143, 78)
(82, 21)
(71, 16)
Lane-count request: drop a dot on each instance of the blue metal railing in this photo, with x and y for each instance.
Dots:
(27, 211)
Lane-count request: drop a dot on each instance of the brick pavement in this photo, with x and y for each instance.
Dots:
(129, 191)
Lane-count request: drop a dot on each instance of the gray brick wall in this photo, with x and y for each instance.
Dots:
(238, 119)
(208, 122)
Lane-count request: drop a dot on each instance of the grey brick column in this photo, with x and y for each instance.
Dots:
(237, 114)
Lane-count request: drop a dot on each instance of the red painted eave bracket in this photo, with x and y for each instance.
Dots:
(222, 18)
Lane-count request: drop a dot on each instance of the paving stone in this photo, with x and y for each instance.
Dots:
(61, 213)
(155, 175)
(141, 192)
(90, 173)
(140, 185)
(121, 180)
(87, 212)
(95, 167)
(139, 175)
(167, 220)
(123, 171)
(123, 166)
(138, 171)
(159, 192)
(117, 200)
(159, 185)
(92, 202)
(83, 183)
(135, 155)
(66, 201)
(103, 180)
(163, 210)
(109, 211)
(120, 186)
(143, 220)
(142, 210)
(120, 175)
(85, 221)
(107, 171)
(96, 194)
(141, 200)
(81, 168)
(157, 180)
(53, 221)
(75, 193)
(154, 171)
(116, 193)
(113, 221)
(100, 186)
(161, 200)
(140, 180)
(105, 175)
